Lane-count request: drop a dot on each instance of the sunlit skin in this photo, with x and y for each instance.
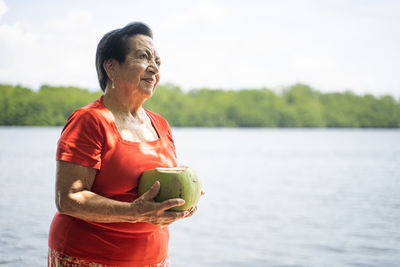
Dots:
(134, 81)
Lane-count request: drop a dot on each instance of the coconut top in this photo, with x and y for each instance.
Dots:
(172, 170)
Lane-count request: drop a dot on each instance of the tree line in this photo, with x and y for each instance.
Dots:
(298, 105)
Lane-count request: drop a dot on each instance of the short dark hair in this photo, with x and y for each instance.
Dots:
(114, 44)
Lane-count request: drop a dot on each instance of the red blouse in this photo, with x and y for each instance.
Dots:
(90, 138)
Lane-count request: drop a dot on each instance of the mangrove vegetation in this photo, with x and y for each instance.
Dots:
(294, 106)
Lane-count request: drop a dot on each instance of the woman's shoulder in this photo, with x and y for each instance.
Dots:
(92, 119)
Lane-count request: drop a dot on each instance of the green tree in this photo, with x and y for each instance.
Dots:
(296, 106)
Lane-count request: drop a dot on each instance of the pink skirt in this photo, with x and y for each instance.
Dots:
(56, 259)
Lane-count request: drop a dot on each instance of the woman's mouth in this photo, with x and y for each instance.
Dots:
(149, 80)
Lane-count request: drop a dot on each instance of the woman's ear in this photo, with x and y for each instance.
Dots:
(110, 68)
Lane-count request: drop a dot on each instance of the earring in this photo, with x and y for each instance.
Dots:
(112, 84)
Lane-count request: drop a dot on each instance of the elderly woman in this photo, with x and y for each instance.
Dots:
(102, 151)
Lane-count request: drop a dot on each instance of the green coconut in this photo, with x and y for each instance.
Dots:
(177, 182)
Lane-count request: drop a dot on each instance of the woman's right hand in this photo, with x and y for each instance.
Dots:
(147, 210)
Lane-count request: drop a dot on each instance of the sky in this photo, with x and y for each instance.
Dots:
(331, 45)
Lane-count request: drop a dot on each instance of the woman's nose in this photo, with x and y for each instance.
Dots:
(153, 67)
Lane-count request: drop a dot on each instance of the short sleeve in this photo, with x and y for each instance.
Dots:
(81, 140)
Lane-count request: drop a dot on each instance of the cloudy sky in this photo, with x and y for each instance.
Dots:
(332, 45)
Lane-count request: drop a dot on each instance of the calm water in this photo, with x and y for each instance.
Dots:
(274, 197)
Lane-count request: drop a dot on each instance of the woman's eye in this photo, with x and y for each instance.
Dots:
(144, 56)
(158, 63)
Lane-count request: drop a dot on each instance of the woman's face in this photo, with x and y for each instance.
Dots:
(140, 70)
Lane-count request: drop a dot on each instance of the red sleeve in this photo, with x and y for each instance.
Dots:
(81, 140)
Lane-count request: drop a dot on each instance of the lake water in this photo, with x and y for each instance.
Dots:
(274, 197)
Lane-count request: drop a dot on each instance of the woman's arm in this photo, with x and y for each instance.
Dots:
(74, 198)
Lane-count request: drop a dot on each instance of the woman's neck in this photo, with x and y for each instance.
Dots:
(122, 104)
